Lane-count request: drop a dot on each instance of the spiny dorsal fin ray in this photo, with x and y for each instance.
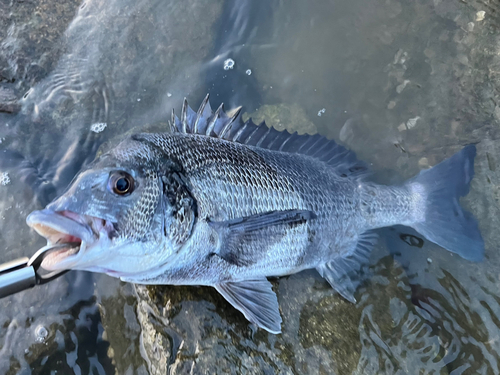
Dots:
(202, 116)
(215, 118)
(231, 128)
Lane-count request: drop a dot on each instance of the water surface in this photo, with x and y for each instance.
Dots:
(403, 83)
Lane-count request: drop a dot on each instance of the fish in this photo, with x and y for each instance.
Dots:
(220, 202)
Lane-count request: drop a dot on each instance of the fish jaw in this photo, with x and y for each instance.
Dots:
(80, 232)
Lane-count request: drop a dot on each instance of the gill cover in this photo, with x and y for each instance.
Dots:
(182, 209)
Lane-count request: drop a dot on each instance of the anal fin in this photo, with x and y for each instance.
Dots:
(342, 273)
(256, 300)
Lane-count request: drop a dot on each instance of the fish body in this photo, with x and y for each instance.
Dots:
(224, 203)
(229, 181)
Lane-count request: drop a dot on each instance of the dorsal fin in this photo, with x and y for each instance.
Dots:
(219, 124)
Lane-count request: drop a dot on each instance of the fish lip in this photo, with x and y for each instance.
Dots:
(61, 227)
(46, 222)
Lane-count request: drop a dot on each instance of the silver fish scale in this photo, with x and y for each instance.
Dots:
(387, 205)
(131, 150)
(138, 220)
(224, 203)
(230, 180)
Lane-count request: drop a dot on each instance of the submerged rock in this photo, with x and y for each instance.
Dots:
(8, 101)
(412, 315)
(45, 44)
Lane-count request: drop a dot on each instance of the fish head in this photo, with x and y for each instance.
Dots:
(114, 216)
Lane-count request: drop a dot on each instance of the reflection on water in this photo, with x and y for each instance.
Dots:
(405, 84)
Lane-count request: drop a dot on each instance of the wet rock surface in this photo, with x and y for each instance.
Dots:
(30, 35)
(8, 101)
(419, 89)
(408, 84)
(45, 52)
(205, 327)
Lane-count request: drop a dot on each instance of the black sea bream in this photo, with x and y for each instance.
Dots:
(224, 203)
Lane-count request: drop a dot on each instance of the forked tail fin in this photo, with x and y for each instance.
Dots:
(446, 223)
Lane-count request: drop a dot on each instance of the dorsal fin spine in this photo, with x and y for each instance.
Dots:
(214, 119)
(251, 134)
(273, 141)
(263, 137)
(320, 149)
(306, 150)
(219, 125)
(290, 135)
(199, 114)
(185, 127)
(304, 144)
(239, 132)
(229, 123)
(172, 121)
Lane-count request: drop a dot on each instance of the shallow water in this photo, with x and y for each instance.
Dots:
(403, 83)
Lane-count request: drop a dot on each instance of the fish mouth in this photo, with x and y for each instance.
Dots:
(75, 230)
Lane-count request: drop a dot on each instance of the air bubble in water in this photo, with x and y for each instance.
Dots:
(169, 94)
(98, 127)
(228, 64)
(248, 72)
(4, 179)
(41, 333)
(321, 111)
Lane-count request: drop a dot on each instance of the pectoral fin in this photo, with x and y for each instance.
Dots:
(244, 239)
(256, 300)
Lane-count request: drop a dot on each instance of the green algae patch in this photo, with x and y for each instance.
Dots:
(283, 116)
(332, 323)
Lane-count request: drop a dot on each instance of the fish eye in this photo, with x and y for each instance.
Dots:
(121, 183)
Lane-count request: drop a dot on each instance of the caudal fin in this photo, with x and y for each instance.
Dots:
(446, 222)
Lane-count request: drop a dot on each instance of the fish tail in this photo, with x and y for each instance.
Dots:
(442, 220)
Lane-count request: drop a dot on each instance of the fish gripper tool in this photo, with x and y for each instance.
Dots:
(24, 273)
